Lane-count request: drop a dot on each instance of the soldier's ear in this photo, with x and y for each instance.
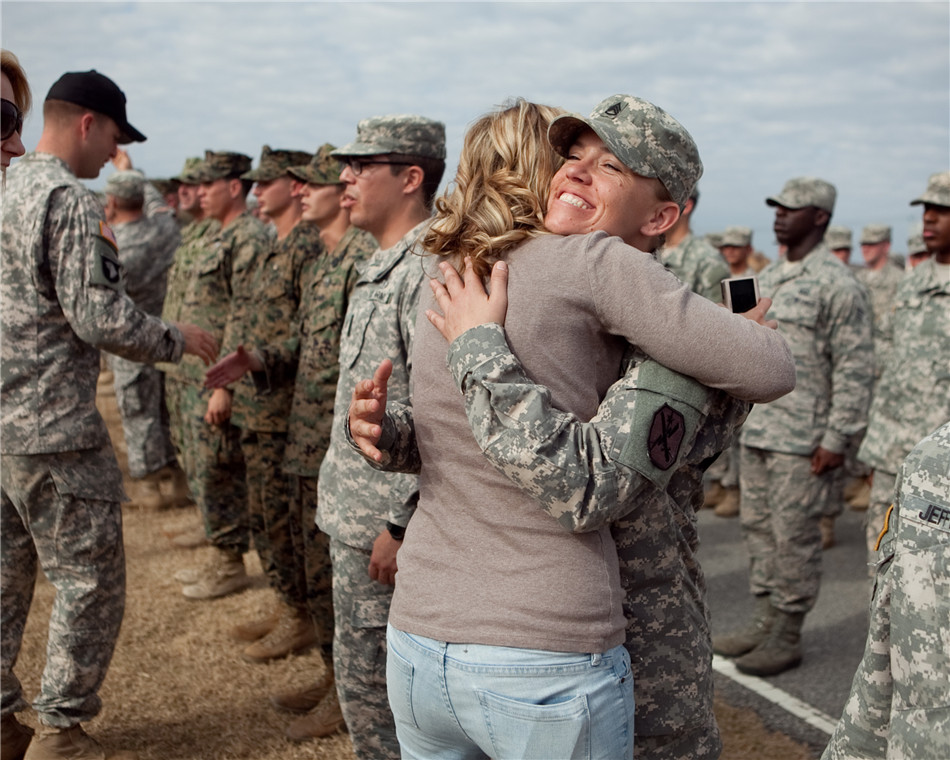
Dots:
(822, 218)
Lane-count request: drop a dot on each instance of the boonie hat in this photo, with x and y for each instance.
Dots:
(275, 163)
(805, 191)
(224, 165)
(408, 134)
(98, 93)
(737, 236)
(128, 185)
(875, 233)
(643, 136)
(938, 190)
(323, 168)
(837, 237)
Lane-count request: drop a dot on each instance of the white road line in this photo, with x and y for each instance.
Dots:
(783, 699)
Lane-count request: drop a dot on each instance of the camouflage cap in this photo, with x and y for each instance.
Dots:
(192, 172)
(323, 168)
(938, 190)
(805, 191)
(837, 237)
(165, 186)
(915, 243)
(275, 163)
(400, 133)
(127, 185)
(645, 137)
(737, 236)
(714, 239)
(224, 165)
(875, 233)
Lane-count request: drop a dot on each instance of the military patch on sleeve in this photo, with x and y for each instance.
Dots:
(666, 436)
(106, 269)
(106, 232)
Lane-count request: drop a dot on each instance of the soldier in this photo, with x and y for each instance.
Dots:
(913, 395)
(391, 172)
(838, 240)
(691, 258)
(147, 234)
(219, 272)
(881, 278)
(916, 249)
(61, 486)
(168, 189)
(898, 701)
(792, 447)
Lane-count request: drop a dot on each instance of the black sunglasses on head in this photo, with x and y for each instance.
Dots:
(12, 119)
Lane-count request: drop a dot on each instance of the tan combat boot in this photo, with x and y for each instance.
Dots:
(147, 492)
(256, 629)
(224, 575)
(176, 484)
(14, 738)
(779, 652)
(713, 494)
(826, 524)
(858, 494)
(323, 720)
(72, 743)
(728, 505)
(304, 700)
(748, 638)
(294, 632)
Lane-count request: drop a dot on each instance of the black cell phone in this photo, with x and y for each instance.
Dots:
(740, 294)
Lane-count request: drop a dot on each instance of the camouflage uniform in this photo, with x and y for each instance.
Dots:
(697, 264)
(882, 287)
(898, 702)
(823, 314)
(913, 395)
(63, 301)
(355, 501)
(622, 468)
(221, 270)
(146, 249)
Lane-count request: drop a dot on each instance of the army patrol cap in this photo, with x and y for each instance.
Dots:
(191, 172)
(408, 134)
(323, 168)
(737, 236)
(275, 163)
(98, 93)
(915, 243)
(837, 237)
(875, 233)
(127, 185)
(938, 191)
(714, 239)
(224, 165)
(643, 136)
(802, 192)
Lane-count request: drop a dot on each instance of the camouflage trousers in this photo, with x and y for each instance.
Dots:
(140, 396)
(726, 468)
(313, 545)
(211, 457)
(782, 503)
(268, 505)
(882, 496)
(62, 512)
(361, 607)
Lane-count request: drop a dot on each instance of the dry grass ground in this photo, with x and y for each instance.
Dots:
(178, 689)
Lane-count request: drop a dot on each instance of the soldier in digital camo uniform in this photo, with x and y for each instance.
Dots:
(881, 278)
(913, 395)
(263, 312)
(898, 702)
(147, 233)
(691, 258)
(791, 447)
(63, 301)
(362, 510)
(219, 271)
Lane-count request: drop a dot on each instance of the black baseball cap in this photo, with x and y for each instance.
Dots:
(98, 93)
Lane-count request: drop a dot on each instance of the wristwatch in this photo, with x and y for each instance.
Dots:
(398, 532)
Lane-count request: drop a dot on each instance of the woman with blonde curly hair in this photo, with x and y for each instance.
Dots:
(506, 632)
(16, 102)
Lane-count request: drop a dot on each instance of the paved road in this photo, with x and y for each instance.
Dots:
(833, 636)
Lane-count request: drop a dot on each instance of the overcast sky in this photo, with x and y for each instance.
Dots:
(855, 92)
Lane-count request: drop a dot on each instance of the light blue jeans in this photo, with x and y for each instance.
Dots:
(461, 701)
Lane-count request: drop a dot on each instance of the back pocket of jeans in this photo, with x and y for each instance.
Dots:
(555, 731)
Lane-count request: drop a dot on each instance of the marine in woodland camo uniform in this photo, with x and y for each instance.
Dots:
(639, 465)
(912, 397)
(898, 702)
(823, 313)
(63, 301)
(146, 249)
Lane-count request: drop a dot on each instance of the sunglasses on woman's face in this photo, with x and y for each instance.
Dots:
(12, 119)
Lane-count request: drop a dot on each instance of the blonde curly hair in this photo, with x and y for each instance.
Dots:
(500, 192)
